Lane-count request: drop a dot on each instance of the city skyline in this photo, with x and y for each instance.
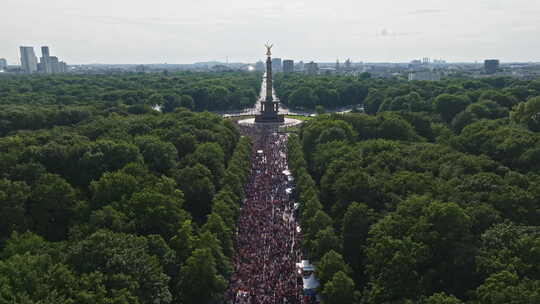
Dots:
(372, 31)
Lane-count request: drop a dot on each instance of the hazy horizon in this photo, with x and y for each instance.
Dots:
(165, 31)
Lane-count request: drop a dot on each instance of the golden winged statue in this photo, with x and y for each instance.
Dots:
(269, 49)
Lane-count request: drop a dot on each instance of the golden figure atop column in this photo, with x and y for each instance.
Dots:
(269, 49)
(269, 106)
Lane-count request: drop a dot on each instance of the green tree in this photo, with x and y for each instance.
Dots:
(13, 199)
(325, 241)
(112, 187)
(51, 207)
(355, 228)
(507, 287)
(126, 262)
(198, 188)
(216, 225)
(441, 298)
(303, 97)
(330, 264)
(200, 282)
(158, 155)
(171, 102)
(187, 102)
(528, 113)
(157, 210)
(448, 106)
(211, 155)
(340, 290)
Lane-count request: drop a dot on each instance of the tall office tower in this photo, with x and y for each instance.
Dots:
(338, 66)
(311, 68)
(45, 62)
(62, 66)
(288, 66)
(3, 64)
(300, 66)
(45, 51)
(348, 65)
(276, 65)
(491, 66)
(54, 64)
(28, 59)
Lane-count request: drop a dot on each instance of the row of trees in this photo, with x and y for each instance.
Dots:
(303, 91)
(448, 98)
(69, 99)
(120, 208)
(404, 206)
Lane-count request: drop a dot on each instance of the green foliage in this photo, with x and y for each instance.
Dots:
(13, 198)
(340, 290)
(330, 264)
(507, 287)
(448, 106)
(430, 228)
(109, 189)
(308, 92)
(196, 184)
(200, 281)
(126, 262)
(528, 113)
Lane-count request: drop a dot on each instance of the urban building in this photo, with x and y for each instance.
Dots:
(348, 65)
(311, 68)
(29, 63)
(424, 76)
(50, 64)
(3, 64)
(259, 66)
(45, 64)
(276, 65)
(300, 66)
(491, 66)
(288, 66)
(338, 67)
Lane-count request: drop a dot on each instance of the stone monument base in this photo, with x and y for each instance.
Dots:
(261, 118)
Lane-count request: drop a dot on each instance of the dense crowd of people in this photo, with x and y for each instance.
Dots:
(267, 241)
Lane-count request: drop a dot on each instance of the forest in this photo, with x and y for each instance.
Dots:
(430, 196)
(105, 200)
(38, 102)
(300, 91)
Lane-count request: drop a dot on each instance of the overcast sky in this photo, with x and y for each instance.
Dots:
(186, 31)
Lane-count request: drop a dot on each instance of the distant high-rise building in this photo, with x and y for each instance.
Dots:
(300, 66)
(491, 66)
(338, 66)
(28, 60)
(311, 68)
(259, 66)
(288, 66)
(45, 61)
(276, 65)
(45, 51)
(50, 64)
(3, 64)
(348, 65)
(424, 76)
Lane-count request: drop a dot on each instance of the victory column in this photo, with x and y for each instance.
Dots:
(269, 112)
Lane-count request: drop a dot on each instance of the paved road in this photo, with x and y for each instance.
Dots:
(267, 245)
(283, 109)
